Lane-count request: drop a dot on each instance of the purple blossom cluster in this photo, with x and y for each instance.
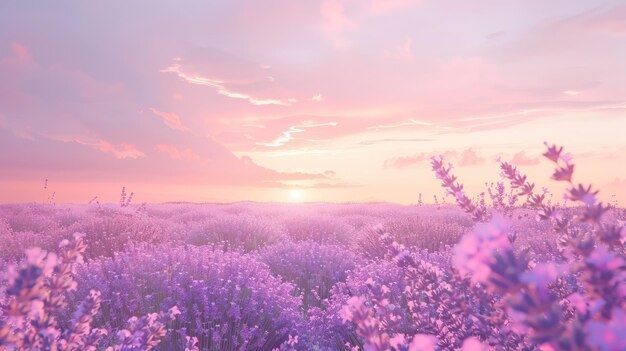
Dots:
(415, 232)
(312, 267)
(227, 300)
(241, 231)
(507, 270)
(35, 306)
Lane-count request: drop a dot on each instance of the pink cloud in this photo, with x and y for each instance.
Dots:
(313, 186)
(339, 16)
(396, 140)
(171, 120)
(469, 157)
(346, 14)
(221, 88)
(19, 61)
(402, 52)
(333, 186)
(611, 21)
(21, 51)
(380, 6)
(121, 151)
(411, 122)
(405, 161)
(334, 14)
(521, 159)
(178, 154)
(288, 135)
(330, 186)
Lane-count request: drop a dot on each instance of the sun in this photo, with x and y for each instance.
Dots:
(295, 194)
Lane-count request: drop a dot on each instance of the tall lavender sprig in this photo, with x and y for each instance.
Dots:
(455, 189)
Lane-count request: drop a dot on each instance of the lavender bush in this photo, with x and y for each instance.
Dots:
(227, 300)
(323, 228)
(313, 268)
(245, 232)
(35, 304)
(575, 302)
(110, 230)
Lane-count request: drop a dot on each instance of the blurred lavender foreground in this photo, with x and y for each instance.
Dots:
(518, 273)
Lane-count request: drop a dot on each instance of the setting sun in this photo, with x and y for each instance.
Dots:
(295, 194)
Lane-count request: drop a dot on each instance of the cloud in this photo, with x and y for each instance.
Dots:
(405, 161)
(105, 161)
(315, 185)
(381, 6)
(176, 153)
(331, 186)
(520, 159)
(611, 20)
(121, 150)
(469, 157)
(501, 117)
(496, 34)
(334, 15)
(402, 52)
(219, 85)
(400, 140)
(340, 16)
(405, 123)
(171, 120)
(317, 97)
(288, 134)
(21, 51)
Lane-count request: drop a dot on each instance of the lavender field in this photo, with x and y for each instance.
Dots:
(319, 175)
(506, 271)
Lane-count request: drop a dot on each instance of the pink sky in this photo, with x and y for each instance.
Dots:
(345, 100)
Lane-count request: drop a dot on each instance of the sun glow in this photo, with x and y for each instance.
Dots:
(295, 194)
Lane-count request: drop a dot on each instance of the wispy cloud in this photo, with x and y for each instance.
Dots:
(171, 120)
(402, 52)
(288, 134)
(405, 161)
(323, 185)
(121, 150)
(521, 159)
(406, 123)
(331, 186)
(400, 140)
(220, 86)
(469, 157)
(21, 51)
(176, 153)
(611, 20)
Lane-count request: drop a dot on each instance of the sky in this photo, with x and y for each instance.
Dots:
(320, 100)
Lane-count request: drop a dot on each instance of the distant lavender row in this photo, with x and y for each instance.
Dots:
(247, 226)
